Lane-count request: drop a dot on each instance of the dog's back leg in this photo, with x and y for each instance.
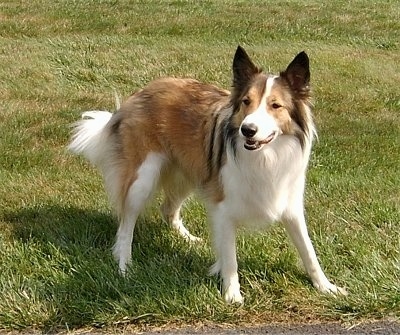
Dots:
(176, 190)
(138, 194)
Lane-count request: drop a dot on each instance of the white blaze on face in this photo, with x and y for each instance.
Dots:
(264, 121)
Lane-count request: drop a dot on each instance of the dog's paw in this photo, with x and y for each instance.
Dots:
(178, 225)
(191, 238)
(232, 295)
(342, 291)
(186, 234)
(330, 288)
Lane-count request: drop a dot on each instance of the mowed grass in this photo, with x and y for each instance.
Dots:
(59, 58)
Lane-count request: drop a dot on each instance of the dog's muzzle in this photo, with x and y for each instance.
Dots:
(249, 131)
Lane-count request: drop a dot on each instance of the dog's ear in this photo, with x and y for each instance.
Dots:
(298, 73)
(243, 68)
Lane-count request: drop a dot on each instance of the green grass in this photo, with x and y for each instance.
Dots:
(59, 58)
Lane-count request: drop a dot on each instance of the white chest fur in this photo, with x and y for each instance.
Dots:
(259, 186)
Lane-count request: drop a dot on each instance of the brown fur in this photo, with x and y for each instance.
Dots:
(153, 119)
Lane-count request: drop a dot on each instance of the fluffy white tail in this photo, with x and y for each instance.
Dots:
(88, 136)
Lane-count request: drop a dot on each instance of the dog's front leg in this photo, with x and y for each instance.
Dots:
(297, 229)
(224, 237)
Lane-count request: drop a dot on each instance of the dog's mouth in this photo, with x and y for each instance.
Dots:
(251, 144)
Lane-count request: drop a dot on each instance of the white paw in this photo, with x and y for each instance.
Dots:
(178, 225)
(191, 238)
(330, 288)
(232, 295)
(123, 269)
(342, 291)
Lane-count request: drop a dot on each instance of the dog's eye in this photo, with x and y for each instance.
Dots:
(246, 101)
(275, 105)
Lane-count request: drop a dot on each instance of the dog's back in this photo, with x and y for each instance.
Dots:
(173, 117)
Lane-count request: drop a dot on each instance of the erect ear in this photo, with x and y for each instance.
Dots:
(298, 72)
(243, 68)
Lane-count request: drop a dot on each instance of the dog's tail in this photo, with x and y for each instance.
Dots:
(89, 137)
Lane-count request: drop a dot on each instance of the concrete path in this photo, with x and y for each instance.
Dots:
(378, 328)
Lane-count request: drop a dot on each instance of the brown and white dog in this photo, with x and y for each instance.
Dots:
(245, 152)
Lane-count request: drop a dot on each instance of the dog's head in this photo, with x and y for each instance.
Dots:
(267, 106)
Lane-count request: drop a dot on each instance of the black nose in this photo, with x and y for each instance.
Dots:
(249, 130)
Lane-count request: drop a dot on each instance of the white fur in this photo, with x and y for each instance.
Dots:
(266, 124)
(88, 138)
(176, 189)
(261, 187)
(140, 192)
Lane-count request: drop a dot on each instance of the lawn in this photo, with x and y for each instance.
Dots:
(59, 58)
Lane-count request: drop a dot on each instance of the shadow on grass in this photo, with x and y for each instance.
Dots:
(62, 226)
(79, 280)
(75, 277)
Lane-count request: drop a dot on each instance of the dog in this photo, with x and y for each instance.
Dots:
(244, 151)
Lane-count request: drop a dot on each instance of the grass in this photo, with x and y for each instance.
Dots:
(58, 58)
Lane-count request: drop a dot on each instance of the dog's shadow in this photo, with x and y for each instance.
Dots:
(81, 277)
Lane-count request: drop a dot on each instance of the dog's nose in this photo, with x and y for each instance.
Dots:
(248, 129)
